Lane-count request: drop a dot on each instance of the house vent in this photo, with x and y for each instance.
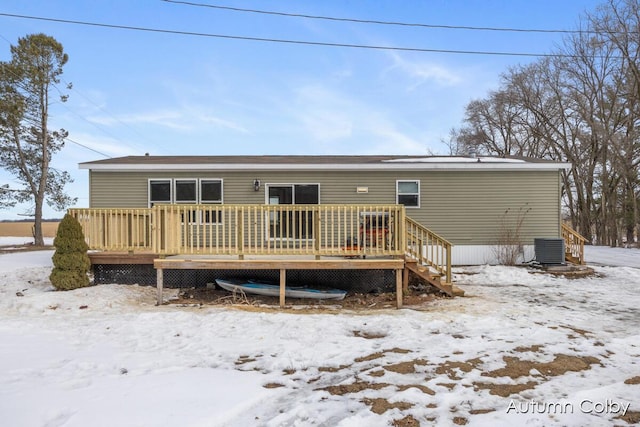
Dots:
(549, 250)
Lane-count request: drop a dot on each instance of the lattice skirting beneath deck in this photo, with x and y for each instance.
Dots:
(350, 280)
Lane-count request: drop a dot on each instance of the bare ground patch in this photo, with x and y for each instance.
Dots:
(452, 369)
(273, 385)
(380, 405)
(449, 386)
(370, 357)
(360, 302)
(245, 359)
(516, 368)
(333, 368)
(505, 390)
(529, 349)
(632, 380)
(407, 421)
(405, 367)
(481, 411)
(397, 350)
(631, 417)
(380, 354)
(422, 388)
(355, 387)
(560, 365)
(581, 332)
(369, 335)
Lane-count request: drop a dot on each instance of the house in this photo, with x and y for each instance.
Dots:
(436, 210)
(466, 200)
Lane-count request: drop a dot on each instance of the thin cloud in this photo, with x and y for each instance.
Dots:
(197, 116)
(107, 146)
(326, 115)
(331, 117)
(191, 119)
(421, 72)
(170, 119)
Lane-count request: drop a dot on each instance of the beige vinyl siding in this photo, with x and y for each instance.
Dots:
(462, 206)
(467, 207)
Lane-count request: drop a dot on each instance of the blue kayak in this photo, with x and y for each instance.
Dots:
(273, 290)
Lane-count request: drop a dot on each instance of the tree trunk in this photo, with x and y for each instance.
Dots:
(38, 237)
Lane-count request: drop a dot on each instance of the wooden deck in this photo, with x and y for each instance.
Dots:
(266, 237)
(119, 257)
(277, 237)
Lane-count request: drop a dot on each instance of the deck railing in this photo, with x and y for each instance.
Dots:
(347, 230)
(574, 244)
(339, 230)
(116, 229)
(428, 248)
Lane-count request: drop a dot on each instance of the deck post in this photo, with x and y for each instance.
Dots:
(405, 279)
(159, 278)
(399, 288)
(283, 283)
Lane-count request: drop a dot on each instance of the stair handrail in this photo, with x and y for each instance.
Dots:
(428, 248)
(574, 243)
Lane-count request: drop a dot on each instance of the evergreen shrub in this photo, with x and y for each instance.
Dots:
(70, 261)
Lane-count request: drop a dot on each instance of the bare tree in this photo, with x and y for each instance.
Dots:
(581, 106)
(617, 23)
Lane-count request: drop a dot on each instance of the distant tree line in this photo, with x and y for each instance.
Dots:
(31, 220)
(582, 107)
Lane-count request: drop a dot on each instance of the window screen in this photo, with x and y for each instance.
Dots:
(186, 191)
(210, 191)
(159, 191)
(306, 194)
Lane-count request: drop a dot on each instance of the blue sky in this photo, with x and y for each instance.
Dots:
(166, 94)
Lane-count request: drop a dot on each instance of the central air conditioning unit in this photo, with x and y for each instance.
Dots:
(549, 250)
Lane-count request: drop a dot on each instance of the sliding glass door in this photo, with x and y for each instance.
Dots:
(287, 224)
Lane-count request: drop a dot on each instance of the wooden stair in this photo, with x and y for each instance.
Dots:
(574, 245)
(568, 256)
(431, 277)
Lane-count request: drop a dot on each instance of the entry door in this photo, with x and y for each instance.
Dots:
(289, 224)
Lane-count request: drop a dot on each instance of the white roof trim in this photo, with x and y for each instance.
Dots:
(389, 166)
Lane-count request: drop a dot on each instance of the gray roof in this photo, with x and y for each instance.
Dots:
(299, 162)
(257, 160)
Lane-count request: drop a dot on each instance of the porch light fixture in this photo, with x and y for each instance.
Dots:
(256, 185)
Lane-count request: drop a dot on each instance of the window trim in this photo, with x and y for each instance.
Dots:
(149, 201)
(175, 192)
(172, 191)
(293, 191)
(398, 194)
(202, 202)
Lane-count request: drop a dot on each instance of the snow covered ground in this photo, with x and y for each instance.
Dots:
(522, 348)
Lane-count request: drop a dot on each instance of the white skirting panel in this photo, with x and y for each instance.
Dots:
(484, 254)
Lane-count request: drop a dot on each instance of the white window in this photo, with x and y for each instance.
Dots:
(159, 191)
(210, 191)
(293, 194)
(186, 191)
(408, 193)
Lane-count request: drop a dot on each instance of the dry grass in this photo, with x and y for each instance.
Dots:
(25, 229)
